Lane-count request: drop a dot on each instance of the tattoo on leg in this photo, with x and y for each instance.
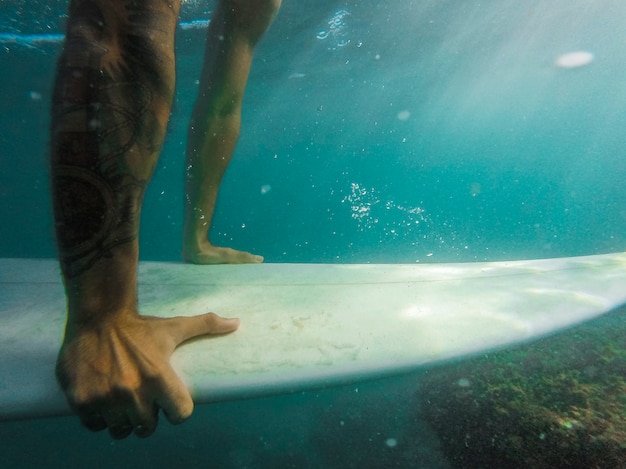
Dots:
(103, 150)
(91, 219)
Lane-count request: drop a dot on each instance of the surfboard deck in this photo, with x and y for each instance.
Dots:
(306, 325)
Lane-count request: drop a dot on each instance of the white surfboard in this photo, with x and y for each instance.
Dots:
(307, 325)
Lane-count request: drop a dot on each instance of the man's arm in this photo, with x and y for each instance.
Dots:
(111, 104)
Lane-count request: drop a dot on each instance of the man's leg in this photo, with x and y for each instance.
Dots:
(233, 34)
(111, 104)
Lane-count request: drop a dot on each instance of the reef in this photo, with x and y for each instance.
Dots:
(559, 402)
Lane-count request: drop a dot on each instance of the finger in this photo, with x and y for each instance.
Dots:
(117, 419)
(144, 419)
(90, 415)
(175, 399)
(183, 328)
(119, 426)
(93, 422)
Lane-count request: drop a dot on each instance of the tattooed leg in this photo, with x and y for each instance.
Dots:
(111, 104)
(112, 100)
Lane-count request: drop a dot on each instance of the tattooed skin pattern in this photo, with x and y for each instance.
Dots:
(105, 140)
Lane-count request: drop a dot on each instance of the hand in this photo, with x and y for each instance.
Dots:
(117, 374)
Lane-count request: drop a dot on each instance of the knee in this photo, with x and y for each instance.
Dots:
(103, 34)
(270, 7)
(255, 7)
(88, 35)
(252, 17)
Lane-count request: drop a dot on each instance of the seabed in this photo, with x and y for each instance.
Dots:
(559, 402)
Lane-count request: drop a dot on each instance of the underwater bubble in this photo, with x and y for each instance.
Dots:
(475, 189)
(403, 115)
(336, 29)
(574, 59)
(463, 383)
(194, 24)
(391, 442)
(265, 188)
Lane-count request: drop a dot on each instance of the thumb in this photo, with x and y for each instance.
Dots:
(183, 328)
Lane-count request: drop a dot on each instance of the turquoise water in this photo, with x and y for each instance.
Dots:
(404, 131)
(425, 131)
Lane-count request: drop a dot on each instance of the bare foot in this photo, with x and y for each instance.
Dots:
(210, 254)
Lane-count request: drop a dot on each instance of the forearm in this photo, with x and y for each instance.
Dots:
(111, 103)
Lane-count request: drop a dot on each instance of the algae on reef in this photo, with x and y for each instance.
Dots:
(559, 402)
